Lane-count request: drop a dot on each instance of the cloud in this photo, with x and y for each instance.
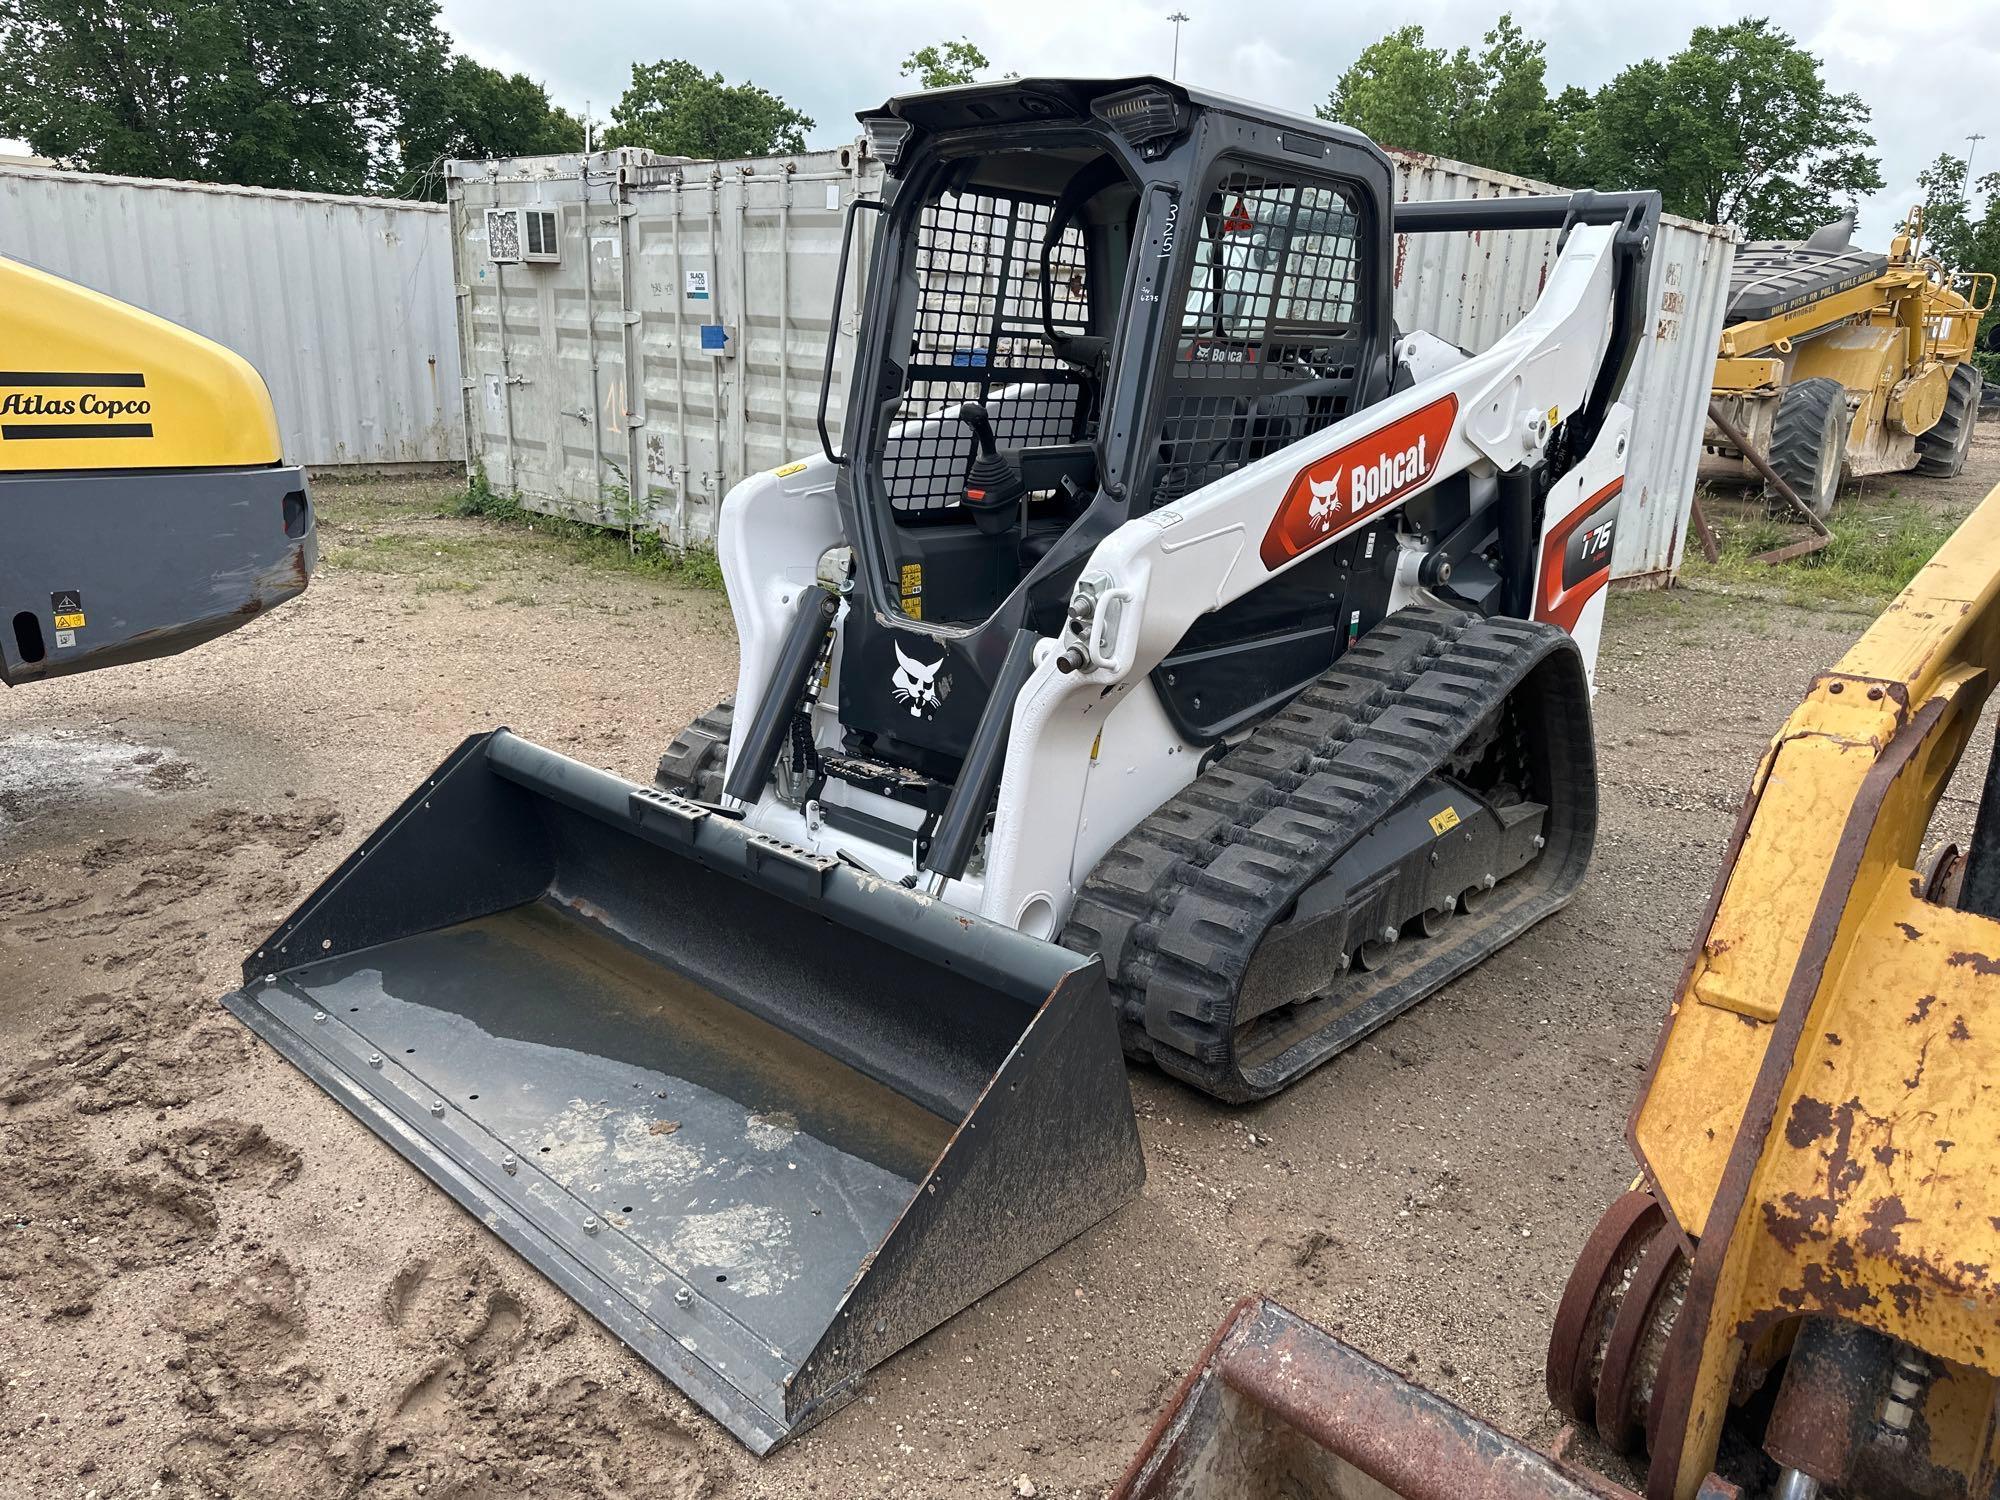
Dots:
(829, 58)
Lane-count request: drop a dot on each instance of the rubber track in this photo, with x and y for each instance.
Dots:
(1179, 906)
(694, 763)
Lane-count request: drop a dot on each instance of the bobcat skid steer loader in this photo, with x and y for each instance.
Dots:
(145, 505)
(1170, 650)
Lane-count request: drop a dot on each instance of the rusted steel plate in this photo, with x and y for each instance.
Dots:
(1278, 1406)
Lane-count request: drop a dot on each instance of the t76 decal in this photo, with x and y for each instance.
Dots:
(1353, 485)
(1576, 557)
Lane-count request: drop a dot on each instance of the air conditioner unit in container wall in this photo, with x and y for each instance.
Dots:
(514, 235)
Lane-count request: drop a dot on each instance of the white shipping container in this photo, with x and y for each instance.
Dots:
(343, 304)
(675, 341)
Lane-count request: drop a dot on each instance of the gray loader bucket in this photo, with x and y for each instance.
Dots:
(767, 1117)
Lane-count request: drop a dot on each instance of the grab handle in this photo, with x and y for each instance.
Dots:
(833, 321)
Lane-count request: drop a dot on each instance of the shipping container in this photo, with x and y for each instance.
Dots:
(343, 304)
(651, 330)
(640, 332)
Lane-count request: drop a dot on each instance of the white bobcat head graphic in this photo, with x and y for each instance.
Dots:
(916, 684)
(1325, 501)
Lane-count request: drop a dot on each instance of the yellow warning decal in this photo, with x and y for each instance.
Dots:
(796, 468)
(1445, 821)
(69, 622)
(1555, 416)
(912, 590)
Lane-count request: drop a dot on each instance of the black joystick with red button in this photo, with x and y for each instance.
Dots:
(993, 484)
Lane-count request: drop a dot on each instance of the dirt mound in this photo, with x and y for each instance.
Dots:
(115, 1054)
(225, 1151)
(71, 1227)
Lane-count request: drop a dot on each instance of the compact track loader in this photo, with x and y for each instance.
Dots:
(145, 505)
(1169, 652)
(1837, 363)
(1798, 1299)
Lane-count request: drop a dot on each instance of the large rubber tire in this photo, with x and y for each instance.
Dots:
(1809, 442)
(695, 762)
(1941, 451)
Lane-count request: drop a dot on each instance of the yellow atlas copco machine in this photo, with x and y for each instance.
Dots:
(1838, 363)
(145, 505)
(1800, 1297)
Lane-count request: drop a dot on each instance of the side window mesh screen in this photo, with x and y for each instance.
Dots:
(978, 337)
(1273, 302)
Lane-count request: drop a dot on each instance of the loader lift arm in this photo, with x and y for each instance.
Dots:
(1817, 1131)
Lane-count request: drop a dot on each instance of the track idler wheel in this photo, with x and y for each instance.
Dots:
(1614, 1319)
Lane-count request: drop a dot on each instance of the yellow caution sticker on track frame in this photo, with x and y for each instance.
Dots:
(781, 472)
(69, 622)
(1443, 823)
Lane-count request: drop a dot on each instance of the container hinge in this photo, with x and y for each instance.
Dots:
(788, 865)
(667, 812)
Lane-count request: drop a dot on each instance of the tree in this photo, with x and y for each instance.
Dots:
(1490, 107)
(272, 93)
(1956, 237)
(675, 108)
(470, 111)
(1738, 127)
(943, 64)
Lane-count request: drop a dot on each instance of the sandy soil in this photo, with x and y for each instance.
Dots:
(213, 1282)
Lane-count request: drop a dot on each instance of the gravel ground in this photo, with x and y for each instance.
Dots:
(214, 1282)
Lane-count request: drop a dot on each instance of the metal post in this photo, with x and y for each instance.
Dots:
(636, 410)
(590, 347)
(679, 299)
(1178, 17)
(715, 477)
(743, 323)
(785, 313)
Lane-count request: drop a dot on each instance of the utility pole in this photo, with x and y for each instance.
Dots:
(1177, 18)
(1972, 145)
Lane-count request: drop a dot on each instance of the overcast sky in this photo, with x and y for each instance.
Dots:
(1927, 71)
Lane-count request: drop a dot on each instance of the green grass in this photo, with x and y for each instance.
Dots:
(639, 551)
(382, 526)
(1878, 545)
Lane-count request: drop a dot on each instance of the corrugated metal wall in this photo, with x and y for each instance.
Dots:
(343, 304)
(1471, 288)
(680, 341)
(747, 250)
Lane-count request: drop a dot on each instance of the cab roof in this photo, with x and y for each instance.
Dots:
(1013, 101)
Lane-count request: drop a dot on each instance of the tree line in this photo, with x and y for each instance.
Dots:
(1739, 126)
(342, 96)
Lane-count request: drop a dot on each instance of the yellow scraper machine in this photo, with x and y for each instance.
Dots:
(1801, 1295)
(1172, 657)
(145, 505)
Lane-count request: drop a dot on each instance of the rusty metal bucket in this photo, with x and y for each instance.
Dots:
(1278, 1406)
(765, 1116)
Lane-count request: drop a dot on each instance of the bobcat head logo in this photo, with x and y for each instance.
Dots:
(917, 684)
(1325, 502)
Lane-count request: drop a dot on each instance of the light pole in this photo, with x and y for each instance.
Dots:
(1972, 145)
(1177, 18)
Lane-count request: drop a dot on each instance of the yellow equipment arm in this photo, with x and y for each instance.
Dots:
(1823, 1117)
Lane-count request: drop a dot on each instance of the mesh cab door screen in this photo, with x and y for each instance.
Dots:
(1272, 303)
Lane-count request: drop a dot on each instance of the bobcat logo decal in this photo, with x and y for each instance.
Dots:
(918, 685)
(1325, 503)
